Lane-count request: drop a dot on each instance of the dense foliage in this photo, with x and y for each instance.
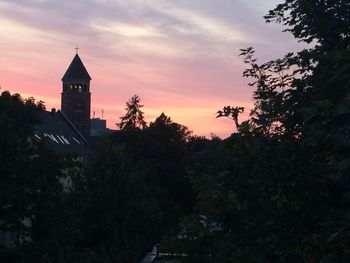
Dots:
(278, 190)
(135, 190)
(125, 198)
(32, 200)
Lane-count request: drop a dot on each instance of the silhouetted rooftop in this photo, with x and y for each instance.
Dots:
(59, 133)
(76, 70)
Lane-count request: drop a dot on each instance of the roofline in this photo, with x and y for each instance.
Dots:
(69, 67)
(74, 128)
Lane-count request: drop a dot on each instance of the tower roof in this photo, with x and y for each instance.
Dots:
(76, 70)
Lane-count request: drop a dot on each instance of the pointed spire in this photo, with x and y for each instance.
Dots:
(76, 70)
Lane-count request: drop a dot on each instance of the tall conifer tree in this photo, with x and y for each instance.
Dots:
(133, 119)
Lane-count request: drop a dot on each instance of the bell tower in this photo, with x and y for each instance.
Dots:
(76, 96)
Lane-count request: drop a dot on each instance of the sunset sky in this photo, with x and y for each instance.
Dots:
(179, 56)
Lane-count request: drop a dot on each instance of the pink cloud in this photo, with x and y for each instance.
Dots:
(181, 58)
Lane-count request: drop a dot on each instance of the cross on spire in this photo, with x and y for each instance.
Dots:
(76, 49)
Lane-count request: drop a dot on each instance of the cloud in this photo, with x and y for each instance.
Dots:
(126, 30)
(179, 56)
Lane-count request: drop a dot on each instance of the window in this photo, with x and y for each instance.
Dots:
(76, 87)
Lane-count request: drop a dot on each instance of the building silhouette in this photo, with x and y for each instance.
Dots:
(76, 96)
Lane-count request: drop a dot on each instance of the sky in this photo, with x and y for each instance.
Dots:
(181, 56)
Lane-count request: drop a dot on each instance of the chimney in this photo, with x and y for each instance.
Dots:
(53, 112)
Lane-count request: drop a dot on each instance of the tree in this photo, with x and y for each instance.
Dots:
(325, 22)
(32, 204)
(136, 190)
(133, 119)
(232, 113)
(120, 210)
(277, 191)
(169, 151)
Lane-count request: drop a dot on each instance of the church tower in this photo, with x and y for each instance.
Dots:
(76, 96)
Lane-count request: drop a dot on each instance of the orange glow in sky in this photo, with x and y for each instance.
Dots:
(180, 57)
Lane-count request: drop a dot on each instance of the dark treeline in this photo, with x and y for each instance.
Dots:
(276, 190)
(124, 199)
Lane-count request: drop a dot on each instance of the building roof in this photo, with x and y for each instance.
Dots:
(76, 70)
(59, 133)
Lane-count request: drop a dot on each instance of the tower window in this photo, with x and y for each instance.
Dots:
(76, 88)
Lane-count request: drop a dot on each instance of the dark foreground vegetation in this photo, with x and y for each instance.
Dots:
(277, 190)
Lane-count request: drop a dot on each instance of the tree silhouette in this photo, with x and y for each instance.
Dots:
(231, 113)
(32, 198)
(133, 119)
(279, 192)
